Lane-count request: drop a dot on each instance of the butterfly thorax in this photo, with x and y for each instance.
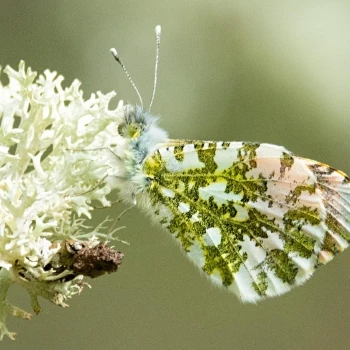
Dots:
(140, 135)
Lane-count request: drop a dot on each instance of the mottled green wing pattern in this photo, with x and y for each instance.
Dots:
(255, 218)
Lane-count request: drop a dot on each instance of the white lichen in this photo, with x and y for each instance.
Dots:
(56, 151)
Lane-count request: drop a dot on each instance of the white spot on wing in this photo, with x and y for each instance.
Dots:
(225, 157)
(275, 284)
(317, 232)
(183, 207)
(216, 277)
(195, 217)
(168, 193)
(306, 267)
(266, 150)
(242, 286)
(273, 212)
(272, 241)
(242, 213)
(217, 190)
(212, 236)
(236, 145)
(196, 254)
(256, 254)
(190, 160)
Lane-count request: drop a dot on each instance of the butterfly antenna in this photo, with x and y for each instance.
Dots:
(118, 59)
(158, 32)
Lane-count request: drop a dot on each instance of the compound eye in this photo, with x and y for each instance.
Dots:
(130, 131)
(121, 129)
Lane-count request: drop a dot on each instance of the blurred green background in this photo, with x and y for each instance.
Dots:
(269, 71)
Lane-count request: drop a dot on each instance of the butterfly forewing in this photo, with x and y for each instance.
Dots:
(255, 218)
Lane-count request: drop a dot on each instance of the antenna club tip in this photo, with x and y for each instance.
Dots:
(158, 29)
(114, 51)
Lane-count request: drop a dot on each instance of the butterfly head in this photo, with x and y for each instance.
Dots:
(136, 122)
(140, 131)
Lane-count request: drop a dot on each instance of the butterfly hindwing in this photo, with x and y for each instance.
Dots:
(255, 218)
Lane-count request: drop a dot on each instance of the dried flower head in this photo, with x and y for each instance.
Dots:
(55, 156)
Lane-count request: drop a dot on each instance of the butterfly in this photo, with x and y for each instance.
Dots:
(255, 218)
